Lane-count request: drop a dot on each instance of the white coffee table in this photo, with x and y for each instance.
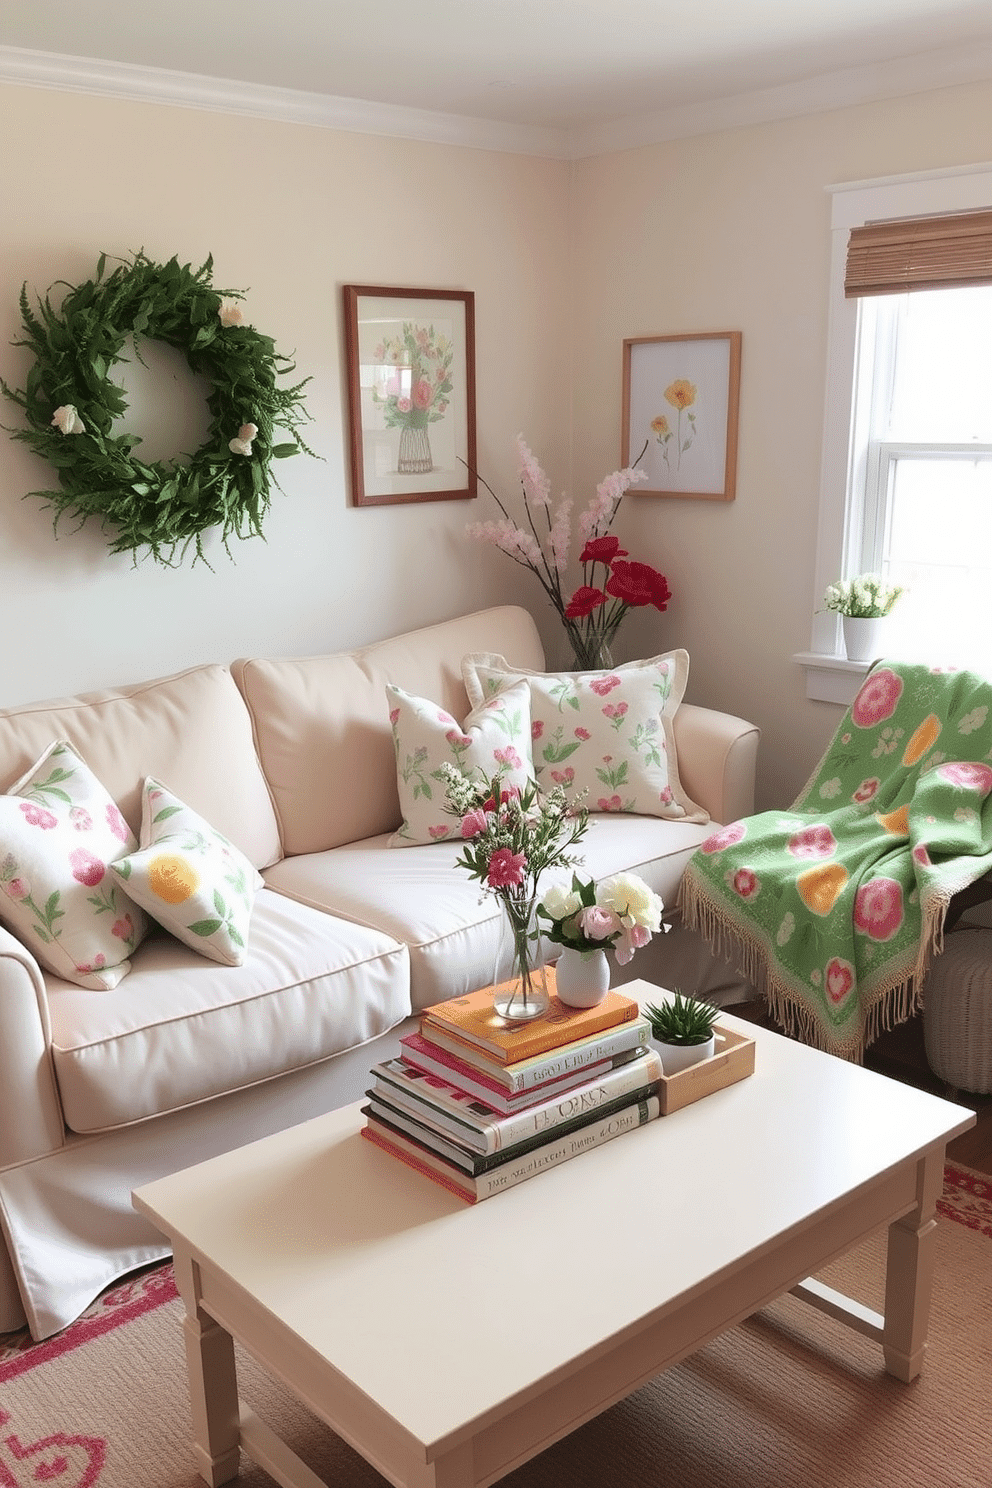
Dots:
(449, 1343)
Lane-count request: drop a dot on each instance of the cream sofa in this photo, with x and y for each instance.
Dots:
(293, 761)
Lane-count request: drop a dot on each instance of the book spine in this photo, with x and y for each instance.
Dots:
(515, 1078)
(476, 1163)
(542, 1037)
(434, 1060)
(498, 1133)
(553, 1154)
(581, 1099)
(509, 1174)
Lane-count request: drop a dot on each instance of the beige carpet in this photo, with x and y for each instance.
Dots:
(788, 1398)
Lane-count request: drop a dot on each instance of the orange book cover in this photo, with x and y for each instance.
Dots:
(471, 1018)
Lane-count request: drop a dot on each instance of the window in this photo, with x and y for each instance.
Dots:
(921, 469)
(906, 485)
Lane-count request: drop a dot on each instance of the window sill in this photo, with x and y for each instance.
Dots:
(832, 679)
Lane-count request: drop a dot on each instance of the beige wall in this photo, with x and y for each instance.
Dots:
(721, 232)
(290, 213)
(731, 232)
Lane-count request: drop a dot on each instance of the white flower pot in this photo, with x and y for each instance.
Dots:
(582, 978)
(675, 1057)
(863, 639)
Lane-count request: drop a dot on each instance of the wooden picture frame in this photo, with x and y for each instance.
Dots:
(680, 400)
(411, 394)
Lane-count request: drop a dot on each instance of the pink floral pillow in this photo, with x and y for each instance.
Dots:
(59, 833)
(494, 737)
(608, 733)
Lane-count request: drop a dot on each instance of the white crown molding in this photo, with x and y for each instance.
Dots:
(258, 100)
(819, 94)
(813, 95)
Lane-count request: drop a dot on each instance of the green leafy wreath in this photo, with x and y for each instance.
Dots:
(71, 404)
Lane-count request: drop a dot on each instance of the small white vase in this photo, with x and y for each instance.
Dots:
(863, 637)
(675, 1057)
(582, 978)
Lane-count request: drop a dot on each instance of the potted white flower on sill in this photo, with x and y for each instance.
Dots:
(862, 603)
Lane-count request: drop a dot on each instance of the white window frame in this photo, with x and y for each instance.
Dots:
(830, 677)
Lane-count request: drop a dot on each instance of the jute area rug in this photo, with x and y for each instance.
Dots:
(787, 1398)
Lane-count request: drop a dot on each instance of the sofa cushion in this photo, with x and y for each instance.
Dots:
(494, 739)
(181, 1029)
(191, 729)
(421, 897)
(191, 880)
(322, 722)
(605, 733)
(59, 832)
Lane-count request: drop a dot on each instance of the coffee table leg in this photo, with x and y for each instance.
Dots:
(454, 1470)
(213, 1383)
(909, 1274)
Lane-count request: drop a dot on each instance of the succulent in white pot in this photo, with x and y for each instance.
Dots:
(683, 1030)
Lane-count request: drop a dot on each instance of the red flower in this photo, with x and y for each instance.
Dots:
(584, 601)
(638, 584)
(506, 868)
(602, 550)
(85, 867)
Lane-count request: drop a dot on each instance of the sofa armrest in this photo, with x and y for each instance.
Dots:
(717, 759)
(30, 1113)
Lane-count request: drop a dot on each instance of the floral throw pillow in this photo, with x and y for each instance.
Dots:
(189, 878)
(494, 737)
(608, 733)
(59, 833)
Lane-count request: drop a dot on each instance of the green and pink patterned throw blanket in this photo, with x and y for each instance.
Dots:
(837, 904)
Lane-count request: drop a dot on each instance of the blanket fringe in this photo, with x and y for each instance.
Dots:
(891, 1004)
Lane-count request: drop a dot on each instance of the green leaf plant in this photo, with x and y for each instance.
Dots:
(71, 404)
(681, 1021)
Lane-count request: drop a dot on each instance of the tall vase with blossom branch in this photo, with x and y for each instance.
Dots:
(612, 584)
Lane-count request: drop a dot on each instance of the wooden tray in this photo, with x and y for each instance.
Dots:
(732, 1060)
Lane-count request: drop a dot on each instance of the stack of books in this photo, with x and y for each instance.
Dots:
(479, 1106)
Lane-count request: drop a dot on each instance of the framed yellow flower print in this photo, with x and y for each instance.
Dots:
(680, 402)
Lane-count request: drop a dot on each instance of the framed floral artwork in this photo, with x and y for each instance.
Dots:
(411, 393)
(680, 400)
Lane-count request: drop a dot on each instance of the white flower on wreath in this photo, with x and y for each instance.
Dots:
(231, 313)
(68, 420)
(242, 445)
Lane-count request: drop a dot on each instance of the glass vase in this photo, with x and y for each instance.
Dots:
(521, 982)
(415, 456)
(592, 653)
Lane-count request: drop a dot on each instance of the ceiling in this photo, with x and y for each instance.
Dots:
(568, 68)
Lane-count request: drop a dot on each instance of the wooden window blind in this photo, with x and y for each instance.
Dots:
(919, 253)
